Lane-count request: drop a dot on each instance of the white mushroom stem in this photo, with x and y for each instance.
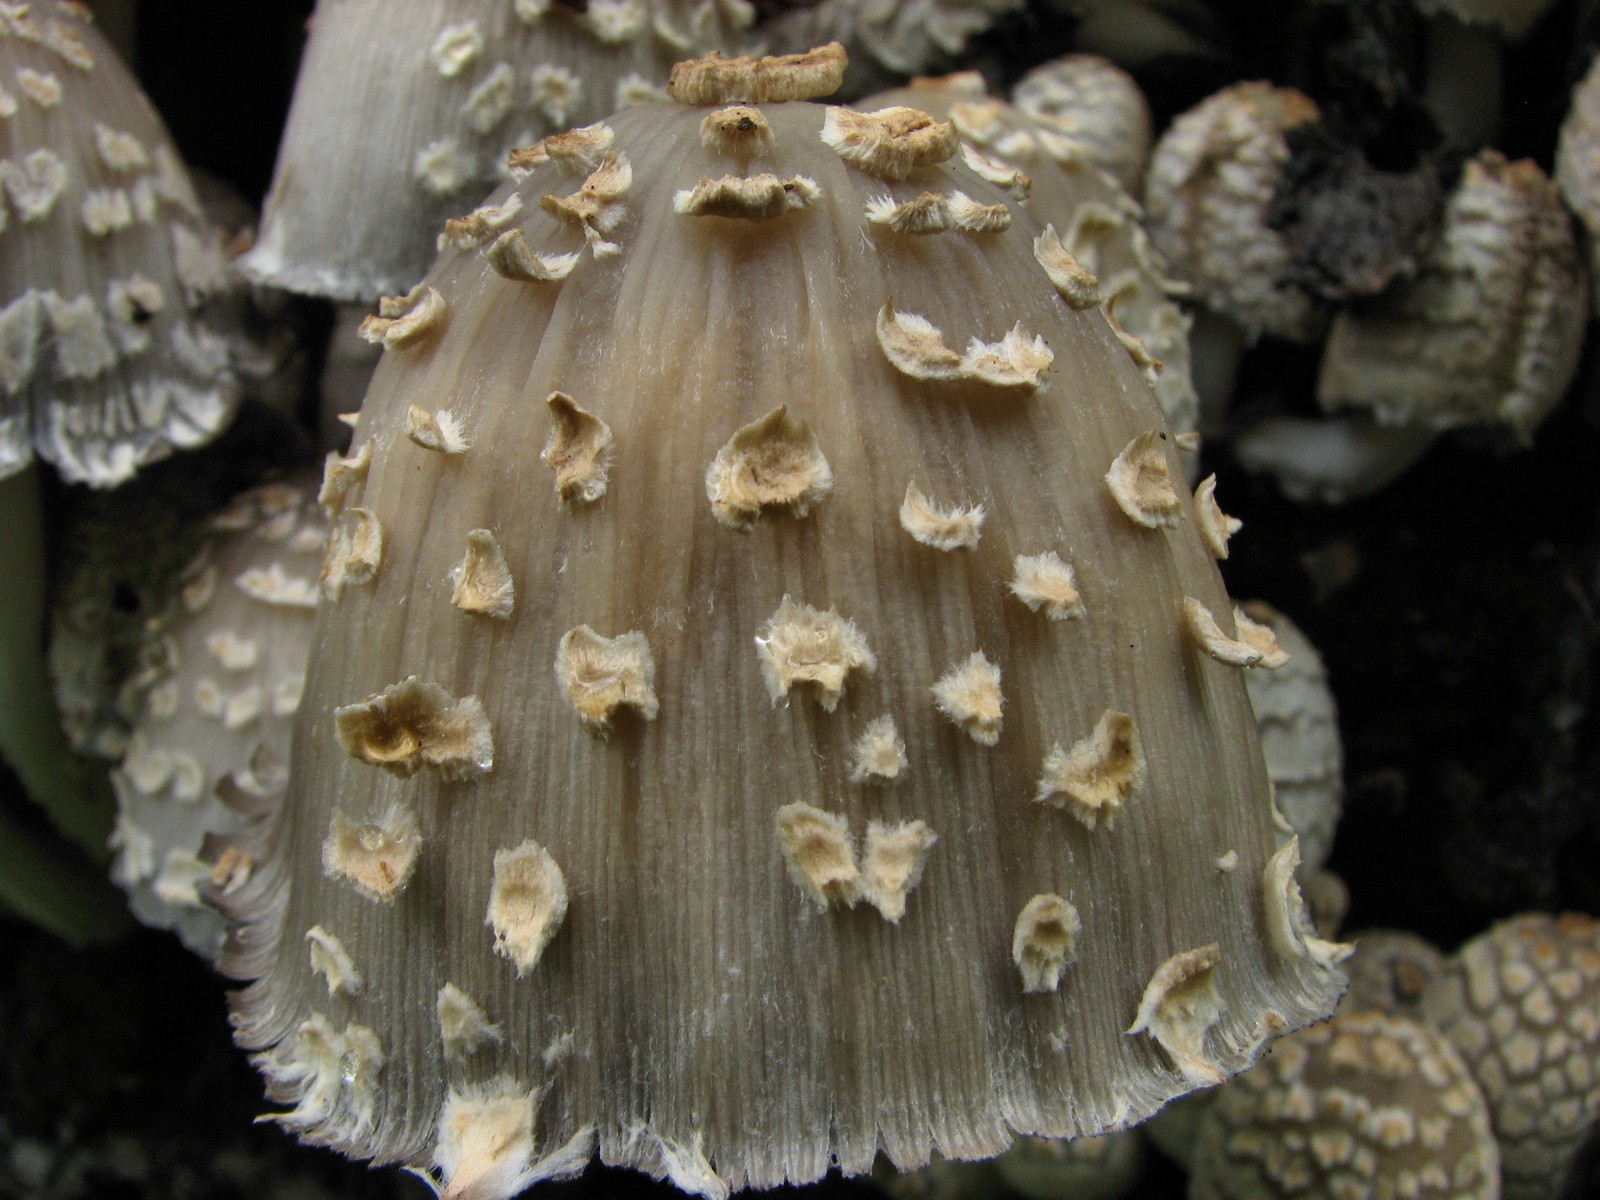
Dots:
(1217, 344)
(31, 739)
(1332, 460)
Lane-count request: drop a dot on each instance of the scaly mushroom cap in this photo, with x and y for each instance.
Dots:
(1522, 1004)
(884, 40)
(214, 705)
(403, 114)
(1363, 1105)
(1390, 970)
(112, 352)
(1211, 179)
(759, 715)
(1095, 229)
(1489, 329)
(1578, 165)
(1096, 104)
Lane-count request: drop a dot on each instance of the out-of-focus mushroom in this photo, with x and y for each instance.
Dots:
(1091, 1168)
(667, 767)
(112, 351)
(1095, 104)
(1298, 723)
(1210, 183)
(1094, 241)
(492, 805)
(1390, 971)
(1366, 1104)
(885, 41)
(444, 89)
(1521, 1003)
(1488, 331)
(213, 705)
(1578, 167)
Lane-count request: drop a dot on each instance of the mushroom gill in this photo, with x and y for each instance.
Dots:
(692, 1011)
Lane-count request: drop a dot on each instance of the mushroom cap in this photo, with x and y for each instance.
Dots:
(1298, 722)
(1096, 104)
(1366, 1104)
(596, 739)
(1390, 971)
(389, 135)
(1066, 186)
(1521, 1003)
(1211, 179)
(1489, 329)
(113, 350)
(885, 40)
(214, 704)
(1578, 164)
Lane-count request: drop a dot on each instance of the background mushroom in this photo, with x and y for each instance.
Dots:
(686, 565)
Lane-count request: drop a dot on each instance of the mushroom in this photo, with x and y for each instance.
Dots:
(1521, 1003)
(745, 833)
(1488, 331)
(1390, 970)
(214, 703)
(1366, 1104)
(1091, 1168)
(112, 348)
(446, 90)
(1578, 167)
(1096, 104)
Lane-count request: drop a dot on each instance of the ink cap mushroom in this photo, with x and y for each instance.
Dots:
(113, 348)
(389, 135)
(811, 751)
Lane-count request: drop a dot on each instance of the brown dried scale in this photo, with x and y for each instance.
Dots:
(782, 753)
(214, 702)
(1211, 179)
(113, 349)
(1521, 1003)
(1488, 330)
(1363, 1105)
(1094, 247)
(448, 89)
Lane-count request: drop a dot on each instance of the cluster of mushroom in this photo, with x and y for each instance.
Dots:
(925, 641)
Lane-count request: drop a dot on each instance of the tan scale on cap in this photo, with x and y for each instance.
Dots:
(1522, 1005)
(1362, 1105)
(113, 349)
(785, 765)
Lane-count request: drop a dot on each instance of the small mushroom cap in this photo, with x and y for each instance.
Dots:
(1390, 970)
(1521, 1003)
(1211, 179)
(113, 347)
(1578, 165)
(1365, 1104)
(1299, 726)
(715, 1003)
(446, 91)
(1096, 104)
(1489, 329)
(214, 703)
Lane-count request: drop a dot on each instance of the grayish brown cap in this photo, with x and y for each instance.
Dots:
(1363, 1105)
(403, 114)
(1095, 239)
(1096, 104)
(1488, 331)
(1298, 723)
(1390, 970)
(1211, 179)
(214, 705)
(112, 353)
(718, 920)
(1522, 1005)
(1578, 163)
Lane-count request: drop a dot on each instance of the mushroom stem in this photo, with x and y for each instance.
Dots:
(1333, 460)
(54, 890)
(1216, 345)
(1464, 80)
(31, 739)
